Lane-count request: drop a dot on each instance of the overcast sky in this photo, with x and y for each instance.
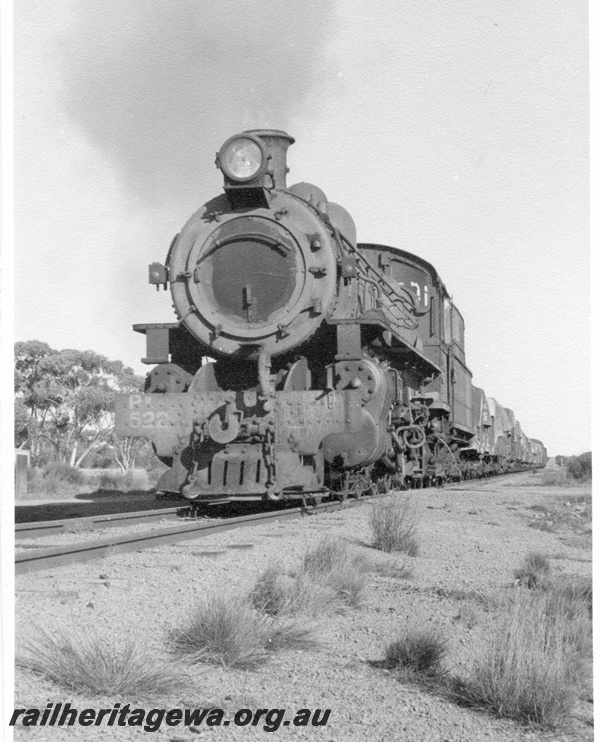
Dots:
(455, 130)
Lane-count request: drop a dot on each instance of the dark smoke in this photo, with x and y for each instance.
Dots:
(158, 85)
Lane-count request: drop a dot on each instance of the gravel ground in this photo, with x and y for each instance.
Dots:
(69, 538)
(472, 537)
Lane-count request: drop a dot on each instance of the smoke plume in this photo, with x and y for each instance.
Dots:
(158, 85)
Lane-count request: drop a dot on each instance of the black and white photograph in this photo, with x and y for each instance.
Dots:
(296, 309)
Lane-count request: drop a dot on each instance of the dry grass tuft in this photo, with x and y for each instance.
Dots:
(223, 630)
(276, 593)
(273, 592)
(86, 663)
(329, 580)
(418, 651)
(535, 570)
(528, 669)
(228, 631)
(574, 590)
(326, 557)
(569, 601)
(331, 564)
(284, 635)
(393, 524)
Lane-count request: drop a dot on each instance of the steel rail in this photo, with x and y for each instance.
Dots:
(37, 529)
(40, 559)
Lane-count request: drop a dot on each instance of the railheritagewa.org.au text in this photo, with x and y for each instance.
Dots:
(64, 715)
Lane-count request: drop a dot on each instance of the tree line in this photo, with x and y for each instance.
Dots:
(64, 403)
(578, 467)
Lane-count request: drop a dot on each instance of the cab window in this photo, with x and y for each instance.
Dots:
(458, 328)
(447, 321)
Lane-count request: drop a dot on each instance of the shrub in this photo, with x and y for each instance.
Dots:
(227, 630)
(418, 651)
(82, 662)
(102, 457)
(527, 669)
(34, 480)
(579, 468)
(553, 478)
(134, 479)
(393, 525)
(112, 481)
(53, 477)
(535, 570)
(63, 471)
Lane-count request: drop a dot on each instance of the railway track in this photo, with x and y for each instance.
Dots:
(38, 529)
(36, 559)
(32, 558)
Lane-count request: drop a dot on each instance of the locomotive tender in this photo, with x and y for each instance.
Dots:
(339, 367)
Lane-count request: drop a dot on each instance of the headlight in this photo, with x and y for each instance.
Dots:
(242, 158)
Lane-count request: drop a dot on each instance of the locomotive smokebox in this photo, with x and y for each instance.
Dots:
(255, 271)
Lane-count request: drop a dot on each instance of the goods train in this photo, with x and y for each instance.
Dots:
(304, 364)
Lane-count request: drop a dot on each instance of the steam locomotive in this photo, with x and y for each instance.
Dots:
(304, 364)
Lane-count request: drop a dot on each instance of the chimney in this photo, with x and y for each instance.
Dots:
(277, 143)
